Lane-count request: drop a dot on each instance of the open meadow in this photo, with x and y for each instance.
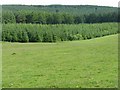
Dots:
(69, 64)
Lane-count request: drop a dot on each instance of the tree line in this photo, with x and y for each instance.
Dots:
(56, 18)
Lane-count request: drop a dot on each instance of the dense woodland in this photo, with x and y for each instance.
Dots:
(52, 23)
(58, 14)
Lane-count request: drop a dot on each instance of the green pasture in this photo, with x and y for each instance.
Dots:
(70, 64)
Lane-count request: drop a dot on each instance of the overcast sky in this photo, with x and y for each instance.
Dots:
(113, 3)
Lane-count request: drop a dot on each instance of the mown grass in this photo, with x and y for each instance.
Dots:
(71, 64)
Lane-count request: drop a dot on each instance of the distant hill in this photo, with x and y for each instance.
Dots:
(72, 9)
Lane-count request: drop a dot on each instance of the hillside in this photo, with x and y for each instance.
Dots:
(72, 9)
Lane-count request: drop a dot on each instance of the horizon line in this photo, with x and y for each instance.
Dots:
(60, 4)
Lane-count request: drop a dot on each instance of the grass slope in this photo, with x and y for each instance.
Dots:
(74, 64)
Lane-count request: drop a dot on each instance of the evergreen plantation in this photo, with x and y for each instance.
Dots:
(54, 33)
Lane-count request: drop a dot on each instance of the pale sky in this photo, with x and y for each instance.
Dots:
(113, 3)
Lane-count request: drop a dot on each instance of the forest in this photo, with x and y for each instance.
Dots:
(58, 14)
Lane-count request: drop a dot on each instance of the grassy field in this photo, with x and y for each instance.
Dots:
(71, 64)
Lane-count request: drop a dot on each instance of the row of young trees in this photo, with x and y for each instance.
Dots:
(57, 18)
(54, 33)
